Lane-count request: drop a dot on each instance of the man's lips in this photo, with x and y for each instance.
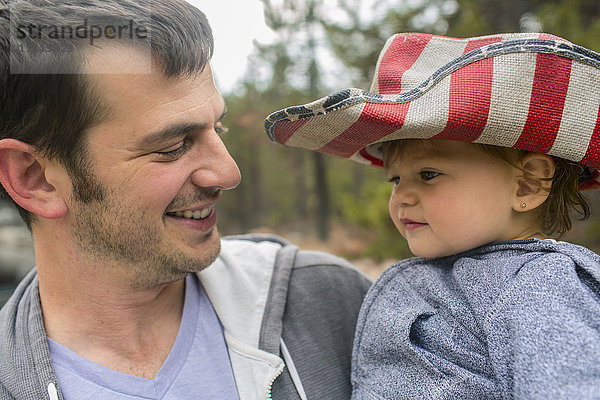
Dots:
(196, 213)
(411, 225)
(198, 219)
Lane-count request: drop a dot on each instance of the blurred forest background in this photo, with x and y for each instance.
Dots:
(323, 46)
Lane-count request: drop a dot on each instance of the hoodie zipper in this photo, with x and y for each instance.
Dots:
(270, 387)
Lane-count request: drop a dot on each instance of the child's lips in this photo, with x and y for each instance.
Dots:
(412, 225)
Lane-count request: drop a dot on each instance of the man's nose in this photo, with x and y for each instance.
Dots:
(216, 168)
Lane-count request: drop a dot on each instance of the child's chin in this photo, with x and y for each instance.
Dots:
(431, 253)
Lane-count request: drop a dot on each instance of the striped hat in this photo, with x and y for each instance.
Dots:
(528, 91)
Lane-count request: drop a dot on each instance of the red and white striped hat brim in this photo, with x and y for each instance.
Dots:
(528, 91)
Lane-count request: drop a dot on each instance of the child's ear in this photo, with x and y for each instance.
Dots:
(533, 184)
(24, 174)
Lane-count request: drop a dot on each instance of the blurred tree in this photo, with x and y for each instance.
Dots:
(278, 91)
(295, 22)
(576, 20)
(356, 37)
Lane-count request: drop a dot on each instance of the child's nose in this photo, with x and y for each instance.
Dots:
(403, 196)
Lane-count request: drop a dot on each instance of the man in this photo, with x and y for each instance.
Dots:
(110, 150)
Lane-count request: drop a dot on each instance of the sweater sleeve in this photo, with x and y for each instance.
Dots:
(544, 332)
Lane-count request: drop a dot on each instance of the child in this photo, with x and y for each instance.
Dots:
(487, 142)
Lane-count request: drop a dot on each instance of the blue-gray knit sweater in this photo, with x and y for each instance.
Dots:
(508, 320)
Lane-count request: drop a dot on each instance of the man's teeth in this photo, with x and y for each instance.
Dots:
(197, 214)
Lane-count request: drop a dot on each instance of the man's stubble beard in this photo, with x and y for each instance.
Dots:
(119, 238)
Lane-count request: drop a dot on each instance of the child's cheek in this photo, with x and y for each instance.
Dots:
(393, 210)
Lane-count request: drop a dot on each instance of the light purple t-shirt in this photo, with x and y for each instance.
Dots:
(197, 367)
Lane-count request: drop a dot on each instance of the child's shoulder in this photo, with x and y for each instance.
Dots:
(521, 251)
(497, 265)
(560, 269)
(547, 253)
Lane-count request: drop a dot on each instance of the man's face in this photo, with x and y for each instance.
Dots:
(161, 165)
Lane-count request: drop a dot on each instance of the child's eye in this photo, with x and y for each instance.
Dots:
(428, 175)
(394, 179)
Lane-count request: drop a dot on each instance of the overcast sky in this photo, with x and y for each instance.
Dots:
(235, 24)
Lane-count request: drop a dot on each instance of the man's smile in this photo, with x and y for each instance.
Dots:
(199, 213)
(199, 219)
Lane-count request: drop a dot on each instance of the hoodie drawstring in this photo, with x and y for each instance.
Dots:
(292, 370)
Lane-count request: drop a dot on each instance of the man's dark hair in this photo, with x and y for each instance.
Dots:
(52, 110)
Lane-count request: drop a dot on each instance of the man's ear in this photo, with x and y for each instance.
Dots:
(533, 184)
(23, 173)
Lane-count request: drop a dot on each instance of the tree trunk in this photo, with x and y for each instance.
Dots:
(322, 192)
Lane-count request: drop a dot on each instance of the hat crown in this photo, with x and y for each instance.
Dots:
(409, 59)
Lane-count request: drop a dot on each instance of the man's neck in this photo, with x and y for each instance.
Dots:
(103, 319)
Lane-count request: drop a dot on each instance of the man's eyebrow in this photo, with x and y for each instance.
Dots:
(175, 131)
(169, 133)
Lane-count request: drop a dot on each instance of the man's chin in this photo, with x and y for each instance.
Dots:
(206, 254)
(174, 266)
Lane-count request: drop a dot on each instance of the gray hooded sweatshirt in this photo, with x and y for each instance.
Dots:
(509, 320)
(288, 318)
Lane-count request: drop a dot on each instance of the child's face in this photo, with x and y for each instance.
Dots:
(450, 196)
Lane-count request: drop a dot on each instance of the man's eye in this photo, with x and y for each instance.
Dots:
(395, 180)
(428, 175)
(176, 152)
